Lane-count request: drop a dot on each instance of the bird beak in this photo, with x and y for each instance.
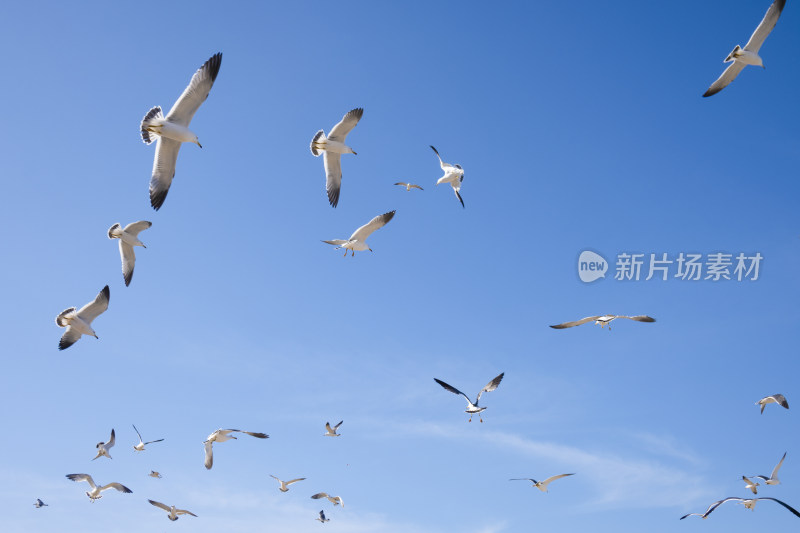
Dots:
(370, 249)
(198, 144)
(355, 153)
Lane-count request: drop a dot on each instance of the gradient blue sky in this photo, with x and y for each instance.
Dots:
(580, 125)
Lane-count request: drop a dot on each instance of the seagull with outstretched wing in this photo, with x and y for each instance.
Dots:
(453, 174)
(285, 484)
(541, 485)
(103, 447)
(773, 478)
(222, 435)
(749, 503)
(331, 431)
(174, 512)
(140, 447)
(333, 146)
(80, 323)
(94, 494)
(603, 320)
(472, 408)
(358, 240)
(780, 399)
(128, 238)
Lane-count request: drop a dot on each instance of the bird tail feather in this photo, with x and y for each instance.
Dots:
(154, 113)
(731, 55)
(319, 137)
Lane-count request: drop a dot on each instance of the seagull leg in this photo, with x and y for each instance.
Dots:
(345, 253)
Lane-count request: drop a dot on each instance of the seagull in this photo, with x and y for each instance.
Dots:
(409, 186)
(748, 503)
(127, 240)
(285, 484)
(603, 320)
(780, 399)
(322, 517)
(94, 494)
(332, 430)
(773, 478)
(174, 513)
(472, 408)
(39, 504)
(335, 500)
(453, 174)
(221, 435)
(80, 323)
(541, 485)
(154, 474)
(740, 58)
(750, 485)
(358, 240)
(140, 447)
(333, 146)
(103, 447)
(173, 129)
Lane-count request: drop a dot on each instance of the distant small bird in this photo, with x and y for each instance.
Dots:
(409, 186)
(741, 57)
(285, 484)
(541, 485)
(333, 146)
(94, 494)
(453, 174)
(80, 323)
(748, 503)
(39, 503)
(472, 408)
(221, 435)
(128, 238)
(331, 431)
(750, 485)
(154, 474)
(322, 517)
(358, 240)
(780, 399)
(335, 500)
(140, 447)
(103, 447)
(603, 320)
(174, 513)
(173, 129)
(773, 478)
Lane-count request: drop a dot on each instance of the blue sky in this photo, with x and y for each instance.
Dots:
(579, 125)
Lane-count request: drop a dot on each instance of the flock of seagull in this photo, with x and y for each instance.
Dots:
(171, 131)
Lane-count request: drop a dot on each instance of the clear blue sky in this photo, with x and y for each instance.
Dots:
(580, 125)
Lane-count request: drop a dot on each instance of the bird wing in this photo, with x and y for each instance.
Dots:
(441, 163)
(348, 122)
(781, 400)
(553, 478)
(639, 318)
(119, 486)
(338, 242)
(366, 230)
(750, 485)
(251, 433)
(184, 511)
(93, 309)
(82, 477)
(339, 424)
(111, 441)
(458, 195)
(337, 498)
(328, 427)
(522, 479)
(137, 432)
(401, 183)
(128, 257)
(196, 92)
(778, 467)
(70, 337)
(319, 495)
(273, 477)
(413, 186)
(160, 505)
(492, 385)
(333, 175)
(295, 480)
(163, 170)
(209, 462)
(451, 389)
(792, 509)
(152, 441)
(576, 323)
(718, 503)
(765, 27)
(322, 516)
(728, 76)
(135, 227)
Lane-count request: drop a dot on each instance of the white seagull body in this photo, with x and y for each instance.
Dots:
(773, 478)
(453, 174)
(358, 240)
(749, 503)
(80, 323)
(221, 435)
(335, 500)
(603, 320)
(285, 484)
(541, 485)
(409, 186)
(741, 57)
(333, 146)
(103, 447)
(472, 408)
(128, 238)
(140, 447)
(39, 503)
(331, 431)
(154, 474)
(173, 129)
(322, 518)
(173, 511)
(94, 494)
(750, 485)
(780, 399)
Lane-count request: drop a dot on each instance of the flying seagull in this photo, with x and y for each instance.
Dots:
(331, 431)
(780, 399)
(750, 485)
(154, 474)
(333, 146)
(741, 57)
(541, 485)
(322, 517)
(358, 240)
(453, 174)
(773, 478)
(39, 504)
(94, 494)
(128, 238)
(140, 447)
(103, 447)
(748, 503)
(285, 484)
(173, 129)
(472, 408)
(221, 435)
(174, 513)
(603, 320)
(80, 323)
(409, 186)
(335, 500)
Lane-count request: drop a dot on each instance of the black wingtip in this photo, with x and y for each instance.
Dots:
(213, 64)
